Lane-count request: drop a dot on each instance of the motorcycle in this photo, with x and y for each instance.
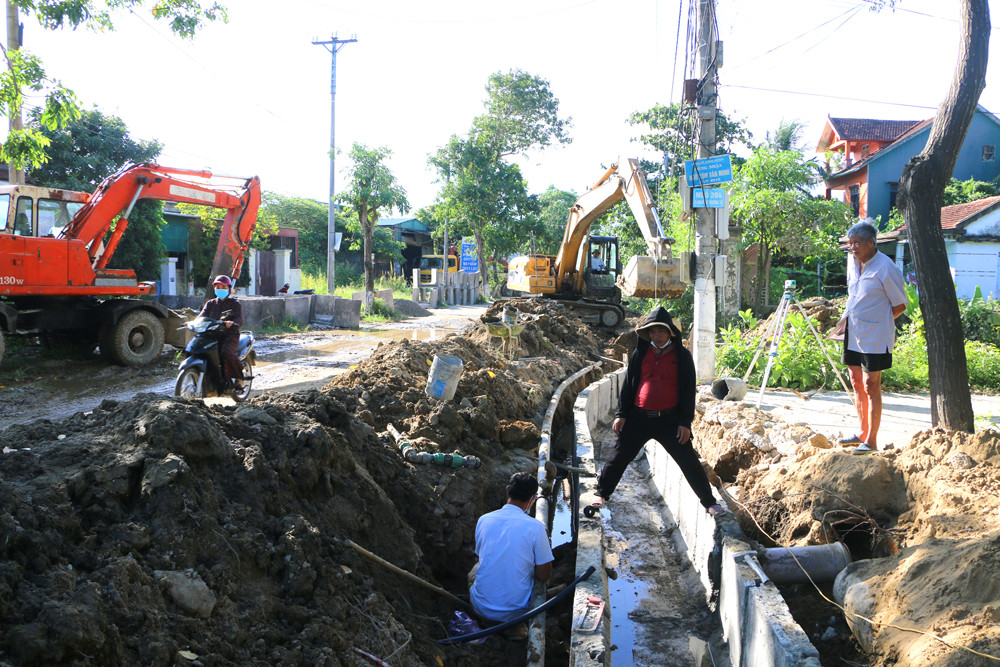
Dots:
(200, 374)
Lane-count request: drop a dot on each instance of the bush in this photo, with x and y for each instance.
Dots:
(981, 319)
(800, 362)
(909, 361)
(983, 361)
(379, 311)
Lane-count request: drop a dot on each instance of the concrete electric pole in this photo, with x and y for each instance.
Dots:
(705, 241)
(14, 176)
(333, 45)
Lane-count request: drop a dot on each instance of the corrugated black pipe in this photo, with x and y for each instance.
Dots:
(526, 616)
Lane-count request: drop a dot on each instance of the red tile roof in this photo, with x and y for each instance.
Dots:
(953, 216)
(861, 129)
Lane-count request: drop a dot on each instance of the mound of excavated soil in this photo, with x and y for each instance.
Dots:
(409, 308)
(923, 523)
(161, 531)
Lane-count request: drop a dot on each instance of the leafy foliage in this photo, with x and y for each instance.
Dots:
(673, 128)
(307, 216)
(371, 189)
(521, 114)
(25, 75)
(800, 362)
(85, 151)
(771, 201)
(961, 192)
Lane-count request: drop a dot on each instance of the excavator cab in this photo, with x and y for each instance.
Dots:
(603, 266)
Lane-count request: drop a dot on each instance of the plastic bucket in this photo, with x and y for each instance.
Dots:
(442, 380)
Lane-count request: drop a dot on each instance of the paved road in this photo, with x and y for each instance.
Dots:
(831, 412)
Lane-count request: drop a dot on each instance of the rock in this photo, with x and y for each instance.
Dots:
(188, 591)
(163, 472)
(254, 416)
(820, 441)
(961, 461)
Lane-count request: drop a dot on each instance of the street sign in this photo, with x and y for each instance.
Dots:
(708, 198)
(708, 171)
(470, 264)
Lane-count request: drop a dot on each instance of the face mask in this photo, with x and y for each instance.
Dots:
(221, 293)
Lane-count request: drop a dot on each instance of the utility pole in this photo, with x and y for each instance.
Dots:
(705, 241)
(14, 176)
(333, 45)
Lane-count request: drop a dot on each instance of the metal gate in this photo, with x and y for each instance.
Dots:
(266, 273)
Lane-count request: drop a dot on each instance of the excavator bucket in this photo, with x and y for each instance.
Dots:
(651, 278)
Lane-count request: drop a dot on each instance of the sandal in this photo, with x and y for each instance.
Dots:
(717, 510)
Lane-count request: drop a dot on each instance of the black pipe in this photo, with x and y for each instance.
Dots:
(526, 616)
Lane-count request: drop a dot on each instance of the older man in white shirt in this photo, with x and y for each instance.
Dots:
(876, 297)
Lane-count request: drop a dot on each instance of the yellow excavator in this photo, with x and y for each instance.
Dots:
(587, 274)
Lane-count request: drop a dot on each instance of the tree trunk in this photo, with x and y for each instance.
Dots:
(921, 189)
(368, 231)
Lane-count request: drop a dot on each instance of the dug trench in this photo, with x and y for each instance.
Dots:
(157, 531)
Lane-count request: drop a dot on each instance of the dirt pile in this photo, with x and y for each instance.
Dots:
(923, 524)
(158, 531)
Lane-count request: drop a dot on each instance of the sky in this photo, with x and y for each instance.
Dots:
(252, 97)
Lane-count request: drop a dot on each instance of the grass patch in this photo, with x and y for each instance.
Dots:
(379, 312)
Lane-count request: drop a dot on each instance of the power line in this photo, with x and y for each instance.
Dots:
(830, 97)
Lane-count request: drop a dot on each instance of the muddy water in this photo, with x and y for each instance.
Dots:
(290, 362)
(657, 600)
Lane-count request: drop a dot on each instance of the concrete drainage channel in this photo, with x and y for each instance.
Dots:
(757, 626)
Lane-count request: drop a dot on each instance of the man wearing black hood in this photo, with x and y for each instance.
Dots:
(657, 403)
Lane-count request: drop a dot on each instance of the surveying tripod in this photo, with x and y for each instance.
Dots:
(773, 331)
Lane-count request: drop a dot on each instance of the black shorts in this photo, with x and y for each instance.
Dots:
(869, 363)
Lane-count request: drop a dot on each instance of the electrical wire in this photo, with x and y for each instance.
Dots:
(852, 614)
(829, 97)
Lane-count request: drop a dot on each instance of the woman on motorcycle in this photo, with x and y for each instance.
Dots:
(225, 307)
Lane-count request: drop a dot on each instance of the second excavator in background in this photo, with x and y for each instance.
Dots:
(587, 273)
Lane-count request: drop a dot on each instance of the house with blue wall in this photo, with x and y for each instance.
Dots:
(867, 158)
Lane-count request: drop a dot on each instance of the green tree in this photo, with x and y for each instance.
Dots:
(961, 192)
(521, 114)
(554, 205)
(672, 130)
(84, 152)
(788, 136)
(307, 216)
(371, 188)
(25, 74)
(771, 202)
(87, 150)
(480, 189)
(486, 197)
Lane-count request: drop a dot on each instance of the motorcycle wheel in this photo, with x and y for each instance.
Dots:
(248, 375)
(187, 384)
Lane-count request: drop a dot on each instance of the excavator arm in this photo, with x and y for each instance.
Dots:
(117, 195)
(622, 180)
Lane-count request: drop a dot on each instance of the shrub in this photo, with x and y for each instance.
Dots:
(981, 319)
(983, 361)
(799, 362)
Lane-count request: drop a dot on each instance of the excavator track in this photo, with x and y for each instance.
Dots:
(606, 315)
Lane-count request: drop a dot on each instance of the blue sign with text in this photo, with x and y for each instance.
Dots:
(708, 198)
(708, 171)
(469, 262)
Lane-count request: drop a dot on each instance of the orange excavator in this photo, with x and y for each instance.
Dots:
(55, 246)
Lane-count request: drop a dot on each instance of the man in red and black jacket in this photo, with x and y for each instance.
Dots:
(657, 403)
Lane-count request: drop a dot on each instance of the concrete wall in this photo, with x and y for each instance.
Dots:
(259, 311)
(757, 625)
